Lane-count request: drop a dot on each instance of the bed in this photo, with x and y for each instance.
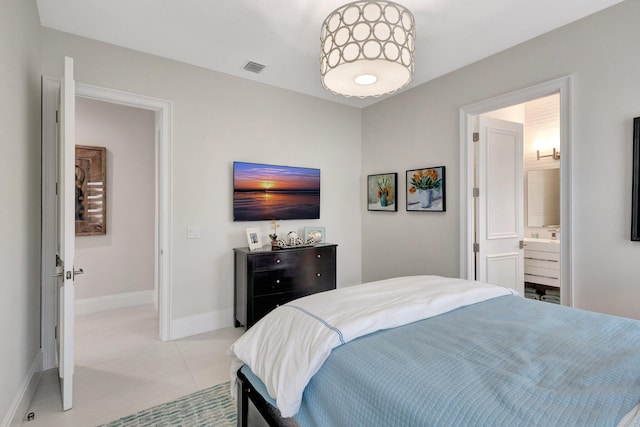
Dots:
(429, 350)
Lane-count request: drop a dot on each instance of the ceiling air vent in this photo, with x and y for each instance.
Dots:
(254, 67)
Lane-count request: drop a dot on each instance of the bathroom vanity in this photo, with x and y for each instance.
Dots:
(542, 269)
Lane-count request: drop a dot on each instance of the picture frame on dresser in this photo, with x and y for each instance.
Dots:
(314, 235)
(635, 192)
(253, 238)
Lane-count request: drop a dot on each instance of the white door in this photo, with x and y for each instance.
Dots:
(500, 207)
(66, 234)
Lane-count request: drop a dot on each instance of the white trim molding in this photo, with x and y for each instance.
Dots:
(21, 402)
(112, 302)
(563, 86)
(200, 323)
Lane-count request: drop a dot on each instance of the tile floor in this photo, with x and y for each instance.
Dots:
(122, 368)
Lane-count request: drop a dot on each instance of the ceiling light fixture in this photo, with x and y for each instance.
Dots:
(366, 49)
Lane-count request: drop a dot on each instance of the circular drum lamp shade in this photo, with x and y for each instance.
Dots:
(366, 49)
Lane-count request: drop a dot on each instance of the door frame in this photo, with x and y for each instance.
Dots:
(163, 130)
(563, 86)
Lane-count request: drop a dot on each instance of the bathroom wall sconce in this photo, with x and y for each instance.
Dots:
(555, 155)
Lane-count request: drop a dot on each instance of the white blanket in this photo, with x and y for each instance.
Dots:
(289, 345)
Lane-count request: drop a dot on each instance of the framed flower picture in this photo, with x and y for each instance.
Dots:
(381, 192)
(426, 189)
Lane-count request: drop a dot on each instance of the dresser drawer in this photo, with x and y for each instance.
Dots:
(293, 258)
(310, 276)
(264, 304)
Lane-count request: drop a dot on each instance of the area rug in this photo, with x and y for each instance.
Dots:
(212, 407)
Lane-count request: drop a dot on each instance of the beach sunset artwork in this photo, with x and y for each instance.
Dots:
(265, 192)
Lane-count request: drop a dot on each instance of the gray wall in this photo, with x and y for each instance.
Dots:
(420, 128)
(121, 260)
(20, 197)
(217, 119)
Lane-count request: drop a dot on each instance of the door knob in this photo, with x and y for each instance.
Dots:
(75, 273)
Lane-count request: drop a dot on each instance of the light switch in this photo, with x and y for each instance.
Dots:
(193, 232)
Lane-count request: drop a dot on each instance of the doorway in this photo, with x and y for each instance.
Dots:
(561, 87)
(162, 166)
(118, 261)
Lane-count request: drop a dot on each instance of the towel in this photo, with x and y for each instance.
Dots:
(551, 298)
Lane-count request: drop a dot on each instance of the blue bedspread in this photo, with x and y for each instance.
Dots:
(503, 362)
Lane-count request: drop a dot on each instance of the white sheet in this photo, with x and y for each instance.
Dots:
(632, 419)
(289, 345)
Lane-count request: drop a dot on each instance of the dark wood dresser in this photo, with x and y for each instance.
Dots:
(265, 278)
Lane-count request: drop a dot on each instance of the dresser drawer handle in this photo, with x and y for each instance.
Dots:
(319, 256)
(277, 280)
(318, 274)
(277, 261)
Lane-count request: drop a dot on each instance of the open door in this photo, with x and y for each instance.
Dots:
(66, 235)
(500, 203)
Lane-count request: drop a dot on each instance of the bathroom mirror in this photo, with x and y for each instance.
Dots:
(543, 198)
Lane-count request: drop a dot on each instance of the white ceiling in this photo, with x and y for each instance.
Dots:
(284, 35)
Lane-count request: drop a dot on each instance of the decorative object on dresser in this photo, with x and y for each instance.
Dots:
(426, 189)
(253, 238)
(91, 190)
(266, 279)
(268, 192)
(274, 236)
(635, 197)
(381, 192)
(314, 235)
(291, 241)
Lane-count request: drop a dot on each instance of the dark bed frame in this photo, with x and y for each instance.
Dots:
(247, 397)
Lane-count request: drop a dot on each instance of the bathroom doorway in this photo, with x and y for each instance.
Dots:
(549, 116)
(521, 204)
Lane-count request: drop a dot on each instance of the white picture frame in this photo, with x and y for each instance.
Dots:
(253, 238)
(310, 232)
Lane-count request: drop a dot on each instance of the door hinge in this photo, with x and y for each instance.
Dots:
(476, 192)
(476, 247)
(476, 136)
(55, 332)
(56, 188)
(57, 114)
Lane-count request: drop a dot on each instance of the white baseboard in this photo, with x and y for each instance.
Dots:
(21, 402)
(111, 302)
(200, 323)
